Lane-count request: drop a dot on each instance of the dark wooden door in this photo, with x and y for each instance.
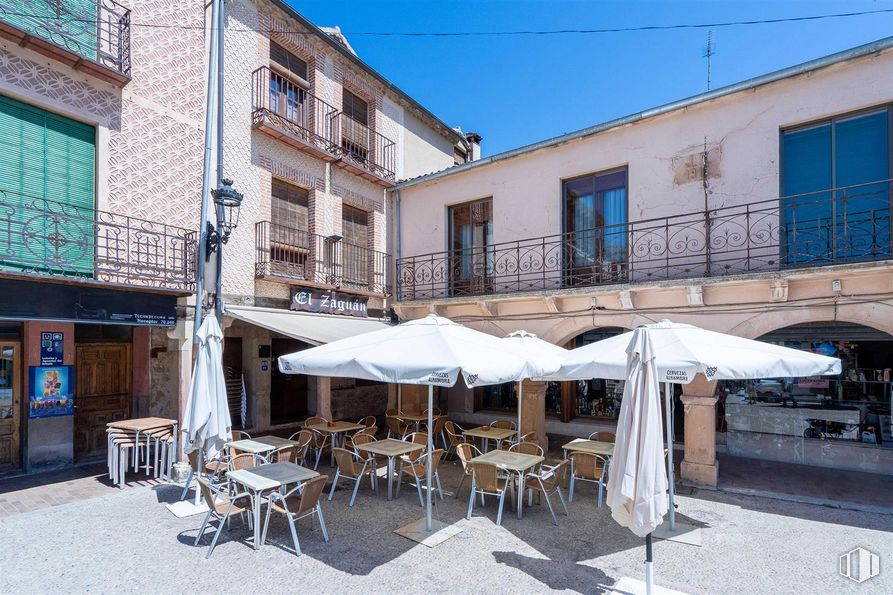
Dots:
(288, 392)
(11, 412)
(102, 393)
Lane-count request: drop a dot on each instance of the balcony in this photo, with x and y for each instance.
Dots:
(836, 226)
(365, 152)
(92, 36)
(289, 255)
(40, 237)
(288, 112)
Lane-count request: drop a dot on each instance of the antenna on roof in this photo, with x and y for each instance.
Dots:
(709, 50)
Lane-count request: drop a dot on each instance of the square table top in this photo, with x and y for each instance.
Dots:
(340, 426)
(252, 446)
(276, 441)
(513, 461)
(590, 446)
(488, 432)
(415, 416)
(141, 424)
(284, 472)
(390, 447)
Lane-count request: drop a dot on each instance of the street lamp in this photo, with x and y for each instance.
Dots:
(227, 202)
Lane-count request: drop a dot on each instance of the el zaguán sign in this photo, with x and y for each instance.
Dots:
(328, 302)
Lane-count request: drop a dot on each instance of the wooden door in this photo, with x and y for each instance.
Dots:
(11, 409)
(288, 392)
(102, 393)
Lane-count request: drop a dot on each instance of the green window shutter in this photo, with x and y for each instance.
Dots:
(47, 191)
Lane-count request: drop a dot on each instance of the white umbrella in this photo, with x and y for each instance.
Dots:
(637, 480)
(431, 351)
(535, 348)
(206, 421)
(682, 351)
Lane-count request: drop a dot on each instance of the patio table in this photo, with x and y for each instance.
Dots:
(514, 462)
(391, 448)
(605, 449)
(145, 424)
(489, 433)
(267, 477)
(415, 418)
(337, 431)
(275, 441)
(251, 445)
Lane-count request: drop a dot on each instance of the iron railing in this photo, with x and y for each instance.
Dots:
(98, 30)
(365, 148)
(286, 105)
(840, 225)
(44, 237)
(297, 255)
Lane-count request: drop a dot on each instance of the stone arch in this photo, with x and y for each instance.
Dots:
(864, 314)
(568, 328)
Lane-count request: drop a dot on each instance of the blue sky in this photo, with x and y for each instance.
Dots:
(519, 89)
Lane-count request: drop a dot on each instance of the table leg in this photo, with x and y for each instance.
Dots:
(257, 520)
(390, 477)
(486, 445)
(520, 494)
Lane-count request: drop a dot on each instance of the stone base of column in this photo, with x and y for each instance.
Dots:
(700, 473)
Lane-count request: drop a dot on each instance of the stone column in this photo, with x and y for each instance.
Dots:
(533, 410)
(324, 396)
(699, 465)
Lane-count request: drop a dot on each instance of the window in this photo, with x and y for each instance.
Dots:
(354, 108)
(836, 201)
(354, 250)
(285, 60)
(289, 239)
(596, 228)
(471, 235)
(288, 85)
(47, 161)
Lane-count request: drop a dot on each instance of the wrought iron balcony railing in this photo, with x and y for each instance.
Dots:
(44, 237)
(365, 148)
(285, 105)
(296, 255)
(95, 30)
(836, 226)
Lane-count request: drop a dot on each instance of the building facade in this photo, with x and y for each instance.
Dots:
(761, 209)
(314, 138)
(100, 162)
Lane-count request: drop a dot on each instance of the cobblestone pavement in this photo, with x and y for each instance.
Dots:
(127, 541)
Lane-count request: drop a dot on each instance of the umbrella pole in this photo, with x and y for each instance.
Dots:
(520, 384)
(668, 392)
(649, 571)
(428, 458)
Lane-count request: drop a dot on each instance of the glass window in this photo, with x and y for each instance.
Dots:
(836, 204)
(595, 221)
(471, 235)
(354, 107)
(287, 61)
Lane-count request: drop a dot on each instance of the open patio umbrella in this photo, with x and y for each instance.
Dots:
(637, 480)
(682, 351)
(535, 348)
(431, 351)
(206, 422)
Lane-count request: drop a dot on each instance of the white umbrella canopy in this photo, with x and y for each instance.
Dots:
(683, 350)
(535, 348)
(432, 351)
(206, 421)
(637, 479)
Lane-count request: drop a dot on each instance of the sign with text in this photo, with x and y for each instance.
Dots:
(51, 349)
(52, 391)
(328, 302)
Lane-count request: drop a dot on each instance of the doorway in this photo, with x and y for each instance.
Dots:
(102, 393)
(232, 373)
(288, 392)
(11, 412)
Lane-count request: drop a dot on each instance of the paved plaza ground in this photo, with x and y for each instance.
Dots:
(127, 541)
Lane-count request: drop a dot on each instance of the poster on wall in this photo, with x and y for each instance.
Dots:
(51, 349)
(52, 391)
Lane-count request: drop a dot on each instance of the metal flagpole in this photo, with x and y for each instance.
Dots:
(210, 111)
(218, 273)
(649, 571)
(668, 391)
(520, 391)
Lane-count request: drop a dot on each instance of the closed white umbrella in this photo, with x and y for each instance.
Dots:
(206, 420)
(535, 348)
(682, 351)
(431, 351)
(637, 479)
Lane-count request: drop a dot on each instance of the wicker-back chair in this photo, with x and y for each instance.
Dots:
(603, 436)
(418, 470)
(504, 424)
(242, 461)
(301, 501)
(397, 428)
(466, 451)
(350, 466)
(586, 466)
(547, 482)
(486, 480)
